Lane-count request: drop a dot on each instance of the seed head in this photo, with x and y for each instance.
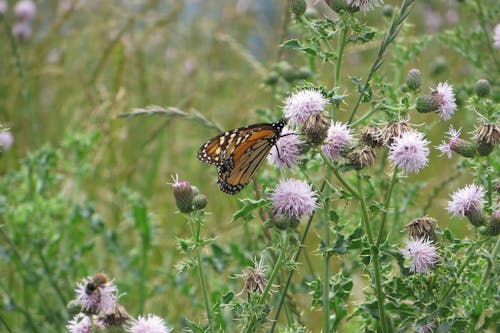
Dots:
(372, 136)
(422, 227)
(393, 130)
(254, 277)
(362, 157)
(316, 128)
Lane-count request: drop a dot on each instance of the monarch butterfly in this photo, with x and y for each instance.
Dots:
(238, 153)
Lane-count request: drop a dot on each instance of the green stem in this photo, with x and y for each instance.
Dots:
(5, 324)
(490, 262)
(201, 277)
(375, 253)
(340, 51)
(338, 176)
(326, 280)
(387, 202)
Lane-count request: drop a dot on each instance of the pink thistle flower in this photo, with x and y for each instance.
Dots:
(102, 299)
(4, 6)
(294, 198)
(422, 254)
(79, 324)
(288, 147)
(466, 201)
(365, 5)
(149, 324)
(22, 30)
(409, 151)
(447, 103)
(339, 138)
(302, 104)
(496, 36)
(453, 137)
(6, 140)
(25, 10)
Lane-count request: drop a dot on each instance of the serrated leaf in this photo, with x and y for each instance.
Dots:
(249, 205)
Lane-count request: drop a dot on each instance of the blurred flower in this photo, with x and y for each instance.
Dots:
(409, 152)
(254, 277)
(425, 328)
(466, 201)
(302, 104)
(422, 254)
(25, 10)
(79, 324)
(496, 36)
(4, 6)
(447, 104)
(96, 297)
(293, 198)
(338, 140)
(286, 152)
(6, 140)
(316, 128)
(22, 30)
(365, 5)
(149, 324)
(456, 144)
(422, 227)
(433, 20)
(183, 194)
(482, 88)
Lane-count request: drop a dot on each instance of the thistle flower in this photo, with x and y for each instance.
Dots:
(25, 10)
(293, 198)
(468, 202)
(149, 324)
(338, 140)
(409, 152)
(422, 254)
(393, 130)
(22, 30)
(288, 150)
(422, 227)
(316, 128)
(96, 296)
(365, 5)
(6, 140)
(456, 144)
(183, 194)
(79, 324)
(302, 104)
(447, 104)
(496, 36)
(254, 277)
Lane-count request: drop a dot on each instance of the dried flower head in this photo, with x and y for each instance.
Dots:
(149, 324)
(286, 152)
(422, 227)
(456, 144)
(422, 254)
(254, 277)
(447, 103)
(365, 5)
(293, 198)
(96, 296)
(468, 202)
(302, 104)
(338, 140)
(25, 10)
(116, 318)
(496, 36)
(488, 133)
(316, 128)
(409, 152)
(362, 156)
(183, 194)
(372, 136)
(394, 130)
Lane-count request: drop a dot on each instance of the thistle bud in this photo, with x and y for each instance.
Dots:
(494, 224)
(463, 147)
(338, 5)
(388, 10)
(196, 190)
(475, 217)
(482, 88)
(372, 136)
(199, 201)
(362, 157)
(271, 79)
(304, 73)
(284, 222)
(183, 194)
(413, 79)
(422, 227)
(316, 128)
(298, 7)
(428, 103)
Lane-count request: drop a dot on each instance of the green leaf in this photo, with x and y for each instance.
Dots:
(249, 205)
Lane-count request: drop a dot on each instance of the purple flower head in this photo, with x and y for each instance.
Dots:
(422, 254)
(6, 140)
(409, 152)
(365, 5)
(339, 138)
(79, 324)
(289, 150)
(22, 30)
(466, 201)
(447, 104)
(453, 137)
(496, 36)
(302, 104)
(98, 299)
(183, 194)
(149, 324)
(294, 198)
(25, 10)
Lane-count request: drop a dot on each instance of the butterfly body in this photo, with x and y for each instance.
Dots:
(238, 153)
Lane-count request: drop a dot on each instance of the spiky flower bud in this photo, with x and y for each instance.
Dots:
(316, 128)
(421, 227)
(482, 88)
(463, 147)
(372, 136)
(272, 78)
(199, 201)
(183, 194)
(494, 224)
(338, 5)
(487, 137)
(362, 157)
(304, 73)
(475, 217)
(388, 10)
(285, 222)
(428, 103)
(413, 79)
(394, 130)
(298, 7)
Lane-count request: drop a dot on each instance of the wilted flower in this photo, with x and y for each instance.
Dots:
(362, 156)
(96, 295)
(393, 130)
(422, 254)
(456, 144)
(447, 104)
(316, 128)
(372, 136)
(116, 318)
(79, 324)
(468, 202)
(365, 5)
(25, 10)
(254, 277)
(149, 324)
(409, 152)
(183, 194)
(421, 227)
(302, 104)
(6, 140)
(496, 36)
(22, 30)
(293, 198)
(286, 152)
(487, 137)
(338, 140)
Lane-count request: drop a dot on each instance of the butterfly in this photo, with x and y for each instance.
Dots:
(238, 153)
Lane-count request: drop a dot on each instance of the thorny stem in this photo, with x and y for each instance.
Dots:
(338, 176)
(490, 261)
(375, 254)
(396, 24)
(387, 202)
(326, 282)
(341, 45)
